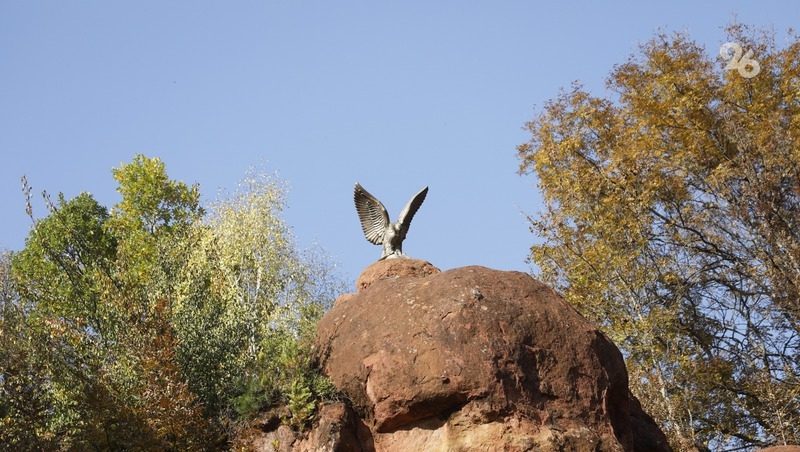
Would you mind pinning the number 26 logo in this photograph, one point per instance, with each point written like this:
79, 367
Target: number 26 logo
747, 67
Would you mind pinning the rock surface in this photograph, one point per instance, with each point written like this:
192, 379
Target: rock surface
336, 429
471, 359
393, 269
478, 359
781, 449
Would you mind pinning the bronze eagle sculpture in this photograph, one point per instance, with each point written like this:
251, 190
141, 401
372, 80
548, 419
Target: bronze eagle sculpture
376, 225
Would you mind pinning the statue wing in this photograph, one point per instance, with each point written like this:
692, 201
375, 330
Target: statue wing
373, 216
410, 209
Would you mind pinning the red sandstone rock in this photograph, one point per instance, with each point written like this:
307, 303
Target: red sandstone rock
475, 359
336, 428
393, 269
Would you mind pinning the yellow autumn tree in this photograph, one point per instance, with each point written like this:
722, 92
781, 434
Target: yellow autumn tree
672, 218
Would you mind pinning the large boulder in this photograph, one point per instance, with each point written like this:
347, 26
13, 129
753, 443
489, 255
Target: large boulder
474, 359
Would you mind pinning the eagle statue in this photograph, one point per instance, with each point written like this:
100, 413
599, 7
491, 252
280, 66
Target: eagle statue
376, 225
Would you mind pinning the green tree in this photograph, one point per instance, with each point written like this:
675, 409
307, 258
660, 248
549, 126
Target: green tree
143, 327
672, 218
68, 327
249, 301
23, 397
85, 279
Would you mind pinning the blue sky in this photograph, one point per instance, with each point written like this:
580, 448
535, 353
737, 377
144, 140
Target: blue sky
395, 95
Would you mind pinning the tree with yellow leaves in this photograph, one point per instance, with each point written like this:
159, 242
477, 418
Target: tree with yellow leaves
672, 218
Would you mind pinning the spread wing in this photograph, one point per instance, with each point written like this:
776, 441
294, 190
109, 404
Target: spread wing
372, 214
410, 209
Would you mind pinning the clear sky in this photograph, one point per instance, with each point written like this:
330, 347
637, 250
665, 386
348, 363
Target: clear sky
395, 95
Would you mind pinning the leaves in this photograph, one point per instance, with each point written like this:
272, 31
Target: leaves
672, 212
139, 327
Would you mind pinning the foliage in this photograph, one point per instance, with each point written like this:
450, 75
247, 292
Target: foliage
265, 301
300, 402
672, 219
23, 399
286, 372
138, 327
274, 300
